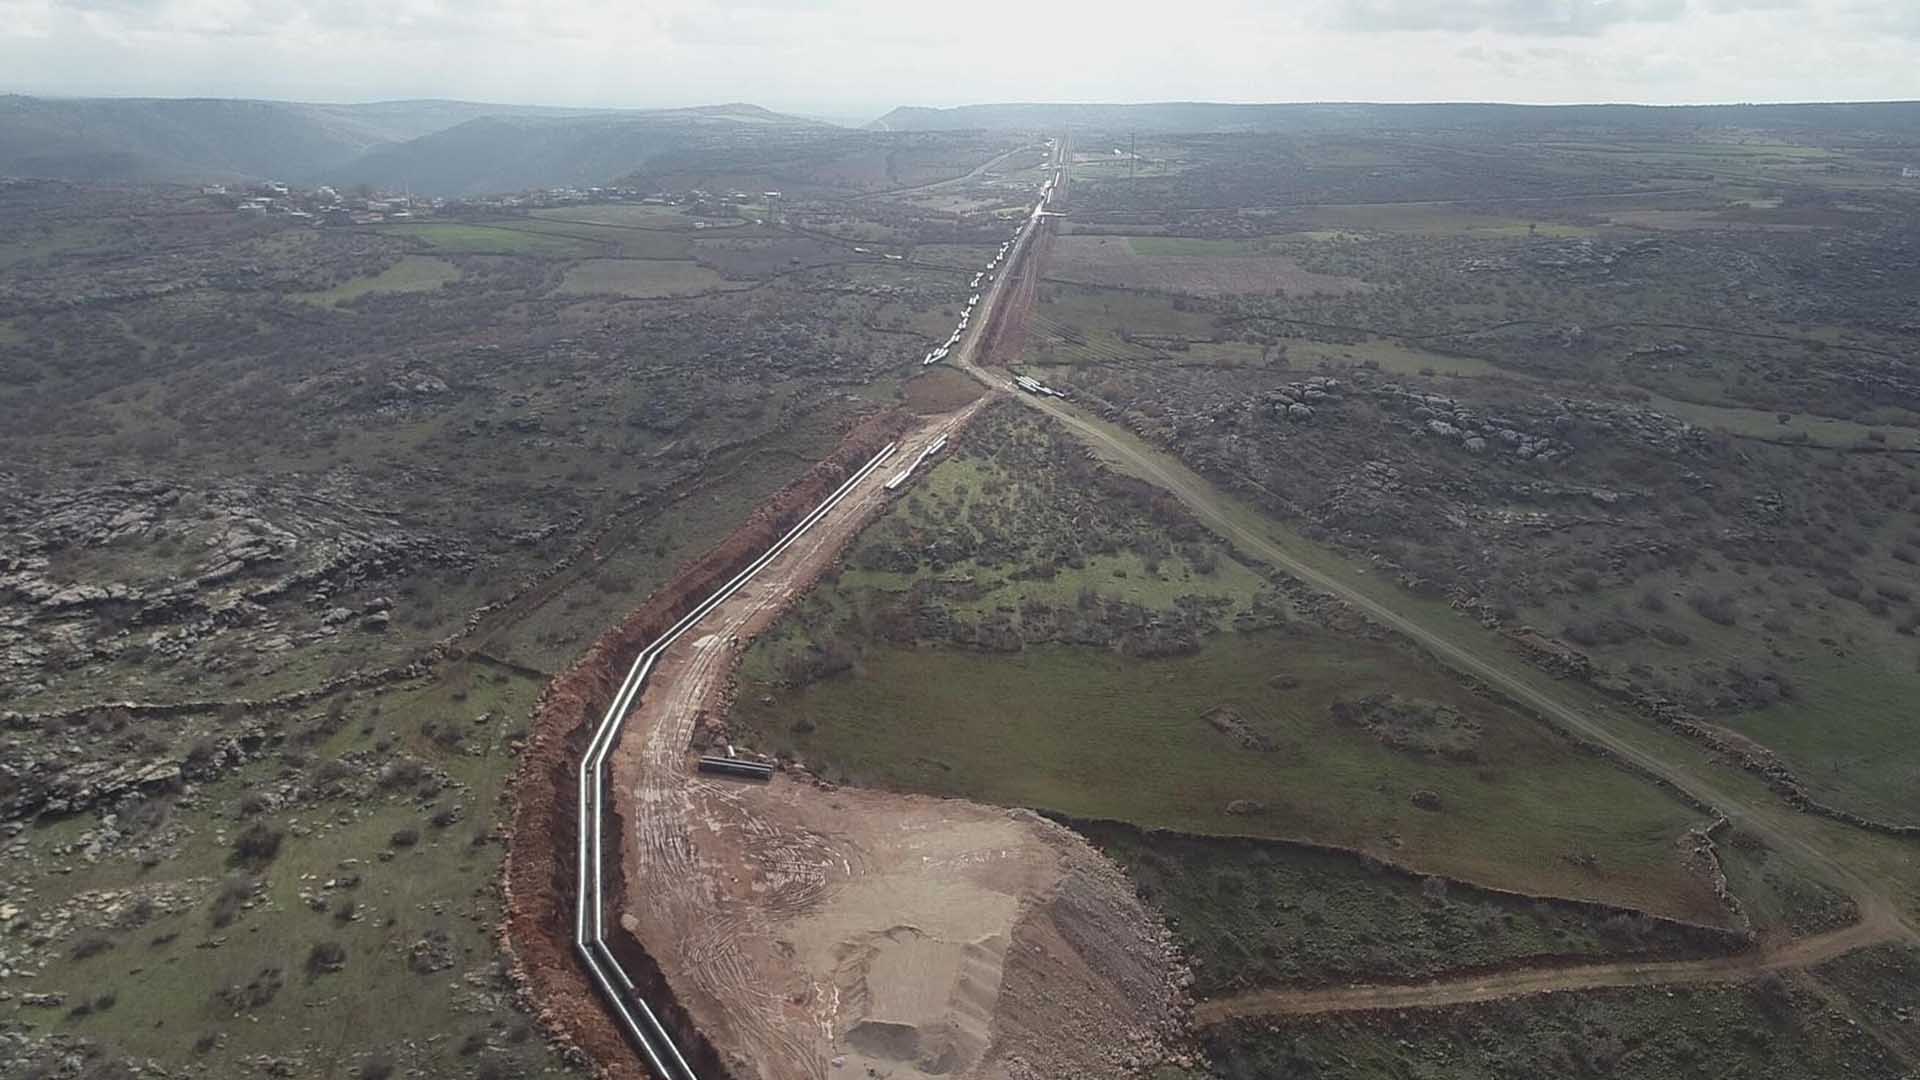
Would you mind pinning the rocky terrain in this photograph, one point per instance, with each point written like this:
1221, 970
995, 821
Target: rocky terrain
197, 582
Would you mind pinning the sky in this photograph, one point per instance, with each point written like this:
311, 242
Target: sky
854, 59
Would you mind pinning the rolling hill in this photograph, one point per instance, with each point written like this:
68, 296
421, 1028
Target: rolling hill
429, 146
141, 140
509, 153
1196, 116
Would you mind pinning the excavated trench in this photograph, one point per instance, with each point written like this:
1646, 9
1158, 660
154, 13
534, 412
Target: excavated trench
538, 875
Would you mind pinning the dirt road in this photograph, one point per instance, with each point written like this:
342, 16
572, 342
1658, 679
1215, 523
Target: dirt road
1482, 658
1803, 953
1880, 916
807, 930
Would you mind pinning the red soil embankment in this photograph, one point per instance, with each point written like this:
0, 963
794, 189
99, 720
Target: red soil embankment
537, 880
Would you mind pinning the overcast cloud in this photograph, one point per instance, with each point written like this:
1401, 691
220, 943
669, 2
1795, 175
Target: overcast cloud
860, 57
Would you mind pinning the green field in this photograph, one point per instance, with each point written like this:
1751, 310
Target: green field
413, 273
168, 970
1029, 628
1093, 734
614, 241
1390, 355
1181, 245
640, 278
1766, 424
1090, 326
630, 216
1849, 733
1439, 220
981, 490
1777, 894
489, 239
1259, 914
59, 238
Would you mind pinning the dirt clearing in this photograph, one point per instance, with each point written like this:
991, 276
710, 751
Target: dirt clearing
939, 389
815, 932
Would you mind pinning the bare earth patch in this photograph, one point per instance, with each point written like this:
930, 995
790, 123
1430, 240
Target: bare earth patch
1112, 261
815, 932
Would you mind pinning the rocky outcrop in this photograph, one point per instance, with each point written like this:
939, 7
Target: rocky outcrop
150, 569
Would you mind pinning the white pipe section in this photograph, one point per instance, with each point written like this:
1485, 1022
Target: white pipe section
646, 1029
589, 937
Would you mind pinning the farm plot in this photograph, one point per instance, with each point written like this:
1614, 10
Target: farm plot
491, 239
1242, 737
760, 257
640, 278
413, 273
1254, 913
1025, 629
1198, 267
629, 216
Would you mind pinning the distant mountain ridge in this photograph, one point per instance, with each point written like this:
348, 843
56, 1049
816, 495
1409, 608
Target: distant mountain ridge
442, 147
511, 153
1173, 117
187, 140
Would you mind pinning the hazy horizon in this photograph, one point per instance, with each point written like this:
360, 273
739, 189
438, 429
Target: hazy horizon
860, 117
850, 60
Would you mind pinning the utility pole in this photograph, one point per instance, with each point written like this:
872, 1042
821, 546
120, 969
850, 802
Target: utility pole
1131, 158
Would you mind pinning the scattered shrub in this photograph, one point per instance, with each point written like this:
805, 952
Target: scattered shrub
258, 993
1668, 635
256, 846
231, 899
326, 957
403, 773
1716, 607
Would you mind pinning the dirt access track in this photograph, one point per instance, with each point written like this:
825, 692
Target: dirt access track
1494, 986
1881, 918
813, 932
